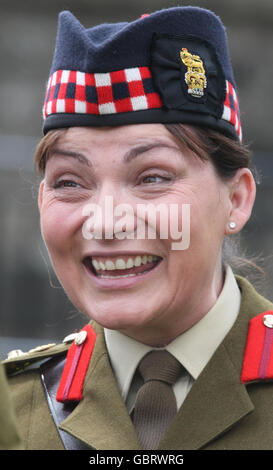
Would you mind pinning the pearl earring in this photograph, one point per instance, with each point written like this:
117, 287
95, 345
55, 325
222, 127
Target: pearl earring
232, 225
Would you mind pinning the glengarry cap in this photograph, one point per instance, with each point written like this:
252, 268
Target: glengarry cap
171, 66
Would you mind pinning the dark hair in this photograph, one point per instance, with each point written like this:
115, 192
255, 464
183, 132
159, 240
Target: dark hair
226, 154
44, 147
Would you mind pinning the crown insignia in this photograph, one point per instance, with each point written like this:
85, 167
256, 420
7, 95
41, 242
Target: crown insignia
195, 76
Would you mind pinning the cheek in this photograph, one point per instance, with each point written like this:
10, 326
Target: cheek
59, 224
203, 223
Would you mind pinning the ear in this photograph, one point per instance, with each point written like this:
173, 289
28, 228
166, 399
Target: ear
40, 194
242, 198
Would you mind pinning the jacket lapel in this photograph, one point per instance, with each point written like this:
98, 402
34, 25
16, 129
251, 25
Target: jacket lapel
101, 419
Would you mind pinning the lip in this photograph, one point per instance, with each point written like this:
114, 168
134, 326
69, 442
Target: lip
120, 283
112, 254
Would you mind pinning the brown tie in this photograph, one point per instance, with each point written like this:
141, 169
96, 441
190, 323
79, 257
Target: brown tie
155, 405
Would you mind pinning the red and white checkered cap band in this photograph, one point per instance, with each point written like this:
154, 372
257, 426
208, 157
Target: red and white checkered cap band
122, 91
231, 111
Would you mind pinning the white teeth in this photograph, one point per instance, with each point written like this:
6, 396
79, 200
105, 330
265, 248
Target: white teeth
137, 261
115, 277
120, 263
129, 263
95, 264
109, 265
102, 266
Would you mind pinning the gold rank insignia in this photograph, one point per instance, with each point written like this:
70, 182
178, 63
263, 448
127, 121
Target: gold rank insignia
195, 77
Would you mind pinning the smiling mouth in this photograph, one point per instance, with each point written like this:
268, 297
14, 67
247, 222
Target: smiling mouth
121, 266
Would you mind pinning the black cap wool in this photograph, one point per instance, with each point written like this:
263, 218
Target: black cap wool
171, 66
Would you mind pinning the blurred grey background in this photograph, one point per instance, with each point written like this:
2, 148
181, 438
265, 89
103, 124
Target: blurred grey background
34, 309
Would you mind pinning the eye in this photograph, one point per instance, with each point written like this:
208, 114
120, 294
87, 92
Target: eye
155, 179
66, 184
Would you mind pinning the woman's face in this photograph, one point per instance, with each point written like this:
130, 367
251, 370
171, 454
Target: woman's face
166, 291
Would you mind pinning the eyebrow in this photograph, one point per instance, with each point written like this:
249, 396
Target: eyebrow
140, 149
70, 153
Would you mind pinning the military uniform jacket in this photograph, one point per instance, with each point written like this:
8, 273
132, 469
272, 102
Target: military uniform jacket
9, 437
220, 412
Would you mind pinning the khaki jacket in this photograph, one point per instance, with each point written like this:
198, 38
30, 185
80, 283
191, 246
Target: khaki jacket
218, 413
9, 436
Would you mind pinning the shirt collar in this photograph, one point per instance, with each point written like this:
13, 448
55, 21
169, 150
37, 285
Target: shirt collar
191, 348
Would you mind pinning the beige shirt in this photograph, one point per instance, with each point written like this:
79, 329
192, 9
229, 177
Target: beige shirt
193, 349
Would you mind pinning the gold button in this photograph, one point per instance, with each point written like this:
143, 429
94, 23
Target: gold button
15, 353
81, 337
42, 348
268, 320
70, 337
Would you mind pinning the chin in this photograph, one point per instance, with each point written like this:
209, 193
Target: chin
119, 319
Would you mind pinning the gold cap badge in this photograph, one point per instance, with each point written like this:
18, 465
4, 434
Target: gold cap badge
195, 76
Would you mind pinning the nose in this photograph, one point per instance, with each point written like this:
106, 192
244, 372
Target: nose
110, 216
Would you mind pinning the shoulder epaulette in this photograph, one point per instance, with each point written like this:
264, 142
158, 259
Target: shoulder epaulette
18, 360
258, 356
77, 361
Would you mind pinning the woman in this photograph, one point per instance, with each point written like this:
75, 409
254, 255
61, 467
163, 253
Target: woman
145, 116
